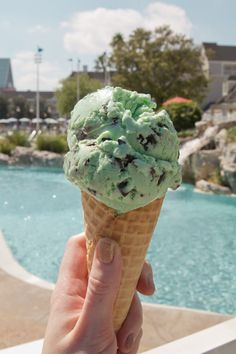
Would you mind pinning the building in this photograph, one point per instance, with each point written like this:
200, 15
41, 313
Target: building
220, 68
6, 77
47, 102
8, 91
226, 106
104, 77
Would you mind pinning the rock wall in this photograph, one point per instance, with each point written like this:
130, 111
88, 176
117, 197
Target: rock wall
23, 156
215, 161
201, 165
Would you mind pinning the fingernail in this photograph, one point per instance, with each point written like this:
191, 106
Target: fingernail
129, 341
150, 282
105, 249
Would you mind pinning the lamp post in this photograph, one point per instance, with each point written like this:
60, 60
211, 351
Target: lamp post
107, 79
38, 60
78, 80
71, 61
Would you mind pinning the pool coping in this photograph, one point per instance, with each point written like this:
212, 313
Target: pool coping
219, 339
10, 265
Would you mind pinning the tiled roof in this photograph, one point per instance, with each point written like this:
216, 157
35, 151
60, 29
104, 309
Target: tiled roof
4, 71
220, 52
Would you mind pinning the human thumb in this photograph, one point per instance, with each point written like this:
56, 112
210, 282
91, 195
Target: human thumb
103, 285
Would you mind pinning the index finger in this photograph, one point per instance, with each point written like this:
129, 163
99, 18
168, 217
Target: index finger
74, 264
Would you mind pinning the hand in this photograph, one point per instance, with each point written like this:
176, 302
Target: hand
80, 319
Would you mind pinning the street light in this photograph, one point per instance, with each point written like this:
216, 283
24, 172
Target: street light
37, 60
78, 79
71, 61
107, 79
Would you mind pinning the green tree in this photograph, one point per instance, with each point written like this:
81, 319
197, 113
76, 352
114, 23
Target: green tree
102, 62
67, 93
161, 63
184, 115
3, 107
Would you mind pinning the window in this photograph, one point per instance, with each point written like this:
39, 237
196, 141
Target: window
230, 69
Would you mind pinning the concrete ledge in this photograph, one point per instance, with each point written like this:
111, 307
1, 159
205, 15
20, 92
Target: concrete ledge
164, 324
12, 267
219, 339
29, 348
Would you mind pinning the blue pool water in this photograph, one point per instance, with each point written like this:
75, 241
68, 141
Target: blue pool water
193, 251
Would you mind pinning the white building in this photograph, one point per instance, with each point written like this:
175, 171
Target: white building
220, 68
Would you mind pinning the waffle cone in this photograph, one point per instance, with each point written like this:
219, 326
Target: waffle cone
132, 231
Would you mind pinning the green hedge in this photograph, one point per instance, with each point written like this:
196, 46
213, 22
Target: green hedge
184, 115
5, 146
189, 133
13, 139
54, 143
18, 138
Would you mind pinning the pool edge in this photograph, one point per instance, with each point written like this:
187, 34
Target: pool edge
10, 265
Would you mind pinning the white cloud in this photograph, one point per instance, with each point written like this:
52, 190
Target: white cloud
38, 29
158, 14
5, 24
90, 32
24, 71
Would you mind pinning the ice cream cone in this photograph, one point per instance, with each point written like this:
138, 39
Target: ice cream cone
132, 231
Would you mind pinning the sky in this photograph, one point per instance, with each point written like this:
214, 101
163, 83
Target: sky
82, 30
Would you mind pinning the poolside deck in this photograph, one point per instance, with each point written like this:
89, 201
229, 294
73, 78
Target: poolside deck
24, 309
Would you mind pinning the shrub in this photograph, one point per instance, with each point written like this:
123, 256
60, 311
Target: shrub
54, 143
231, 135
6, 147
18, 138
184, 115
189, 133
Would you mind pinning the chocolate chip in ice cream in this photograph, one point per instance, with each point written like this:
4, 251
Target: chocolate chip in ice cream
82, 134
105, 108
121, 142
150, 139
115, 120
106, 139
128, 159
123, 163
153, 173
161, 178
122, 188
162, 125
156, 131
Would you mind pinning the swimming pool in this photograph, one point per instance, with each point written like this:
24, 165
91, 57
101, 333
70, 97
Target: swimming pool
193, 250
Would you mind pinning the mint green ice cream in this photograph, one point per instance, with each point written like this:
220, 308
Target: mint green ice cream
121, 151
